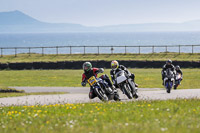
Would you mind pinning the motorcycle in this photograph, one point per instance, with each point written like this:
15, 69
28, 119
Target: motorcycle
168, 80
126, 84
102, 90
178, 79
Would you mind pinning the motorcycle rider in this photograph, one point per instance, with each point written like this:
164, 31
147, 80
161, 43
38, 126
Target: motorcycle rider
178, 70
115, 67
89, 72
168, 65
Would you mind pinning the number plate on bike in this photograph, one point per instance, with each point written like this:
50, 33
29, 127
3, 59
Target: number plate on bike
92, 80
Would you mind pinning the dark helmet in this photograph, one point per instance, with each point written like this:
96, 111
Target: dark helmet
87, 66
169, 62
177, 67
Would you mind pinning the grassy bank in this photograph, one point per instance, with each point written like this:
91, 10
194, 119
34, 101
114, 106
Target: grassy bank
26, 94
146, 78
180, 116
108, 57
11, 92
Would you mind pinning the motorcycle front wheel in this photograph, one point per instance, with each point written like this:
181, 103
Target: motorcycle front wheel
126, 91
168, 87
100, 94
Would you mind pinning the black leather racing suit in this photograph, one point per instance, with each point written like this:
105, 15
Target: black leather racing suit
165, 67
121, 67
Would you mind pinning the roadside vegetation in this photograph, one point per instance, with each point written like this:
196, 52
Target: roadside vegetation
10, 92
108, 57
26, 94
180, 116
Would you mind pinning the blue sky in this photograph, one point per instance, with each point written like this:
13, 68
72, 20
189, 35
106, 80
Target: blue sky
106, 12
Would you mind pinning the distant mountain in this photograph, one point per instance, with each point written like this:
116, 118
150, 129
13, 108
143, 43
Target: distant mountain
16, 18
18, 22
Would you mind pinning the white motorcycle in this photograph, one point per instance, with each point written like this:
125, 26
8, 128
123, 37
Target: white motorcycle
126, 84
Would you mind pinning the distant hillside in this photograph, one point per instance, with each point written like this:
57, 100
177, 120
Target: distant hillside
18, 22
16, 18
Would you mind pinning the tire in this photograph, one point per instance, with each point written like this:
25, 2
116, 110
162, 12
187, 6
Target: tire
175, 86
136, 95
127, 92
168, 88
116, 97
134, 91
100, 94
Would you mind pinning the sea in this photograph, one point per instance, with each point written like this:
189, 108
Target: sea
96, 42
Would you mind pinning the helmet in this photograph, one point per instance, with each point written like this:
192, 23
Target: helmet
87, 66
169, 62
177, 67
114, 65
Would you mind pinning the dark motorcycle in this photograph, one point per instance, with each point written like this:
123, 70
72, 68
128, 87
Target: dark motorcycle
102, 89
126, 84
168, 80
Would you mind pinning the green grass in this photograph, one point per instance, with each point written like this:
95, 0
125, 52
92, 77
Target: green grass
108, 57
171, 116
10, 92
146, 78
26, 94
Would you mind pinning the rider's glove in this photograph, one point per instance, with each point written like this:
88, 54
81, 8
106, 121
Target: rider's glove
101, 70
83, 83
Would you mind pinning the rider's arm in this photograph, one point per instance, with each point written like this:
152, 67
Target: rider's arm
173, 68
83, 83
125, 69
112, 75
163, 69
181, 73
98, 70
122, 67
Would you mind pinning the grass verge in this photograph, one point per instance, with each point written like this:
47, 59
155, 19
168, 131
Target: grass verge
26, 94
10, 92
180, 116
108, 57
146, 78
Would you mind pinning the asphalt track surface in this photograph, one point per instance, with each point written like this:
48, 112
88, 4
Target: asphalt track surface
80, 95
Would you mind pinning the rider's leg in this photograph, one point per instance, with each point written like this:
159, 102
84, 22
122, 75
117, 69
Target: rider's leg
163, 79
132, 76
92, 94
106, 78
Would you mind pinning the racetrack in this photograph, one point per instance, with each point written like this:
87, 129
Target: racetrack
80, 95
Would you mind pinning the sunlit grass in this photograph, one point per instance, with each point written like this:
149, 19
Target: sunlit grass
140, 116
146, 78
